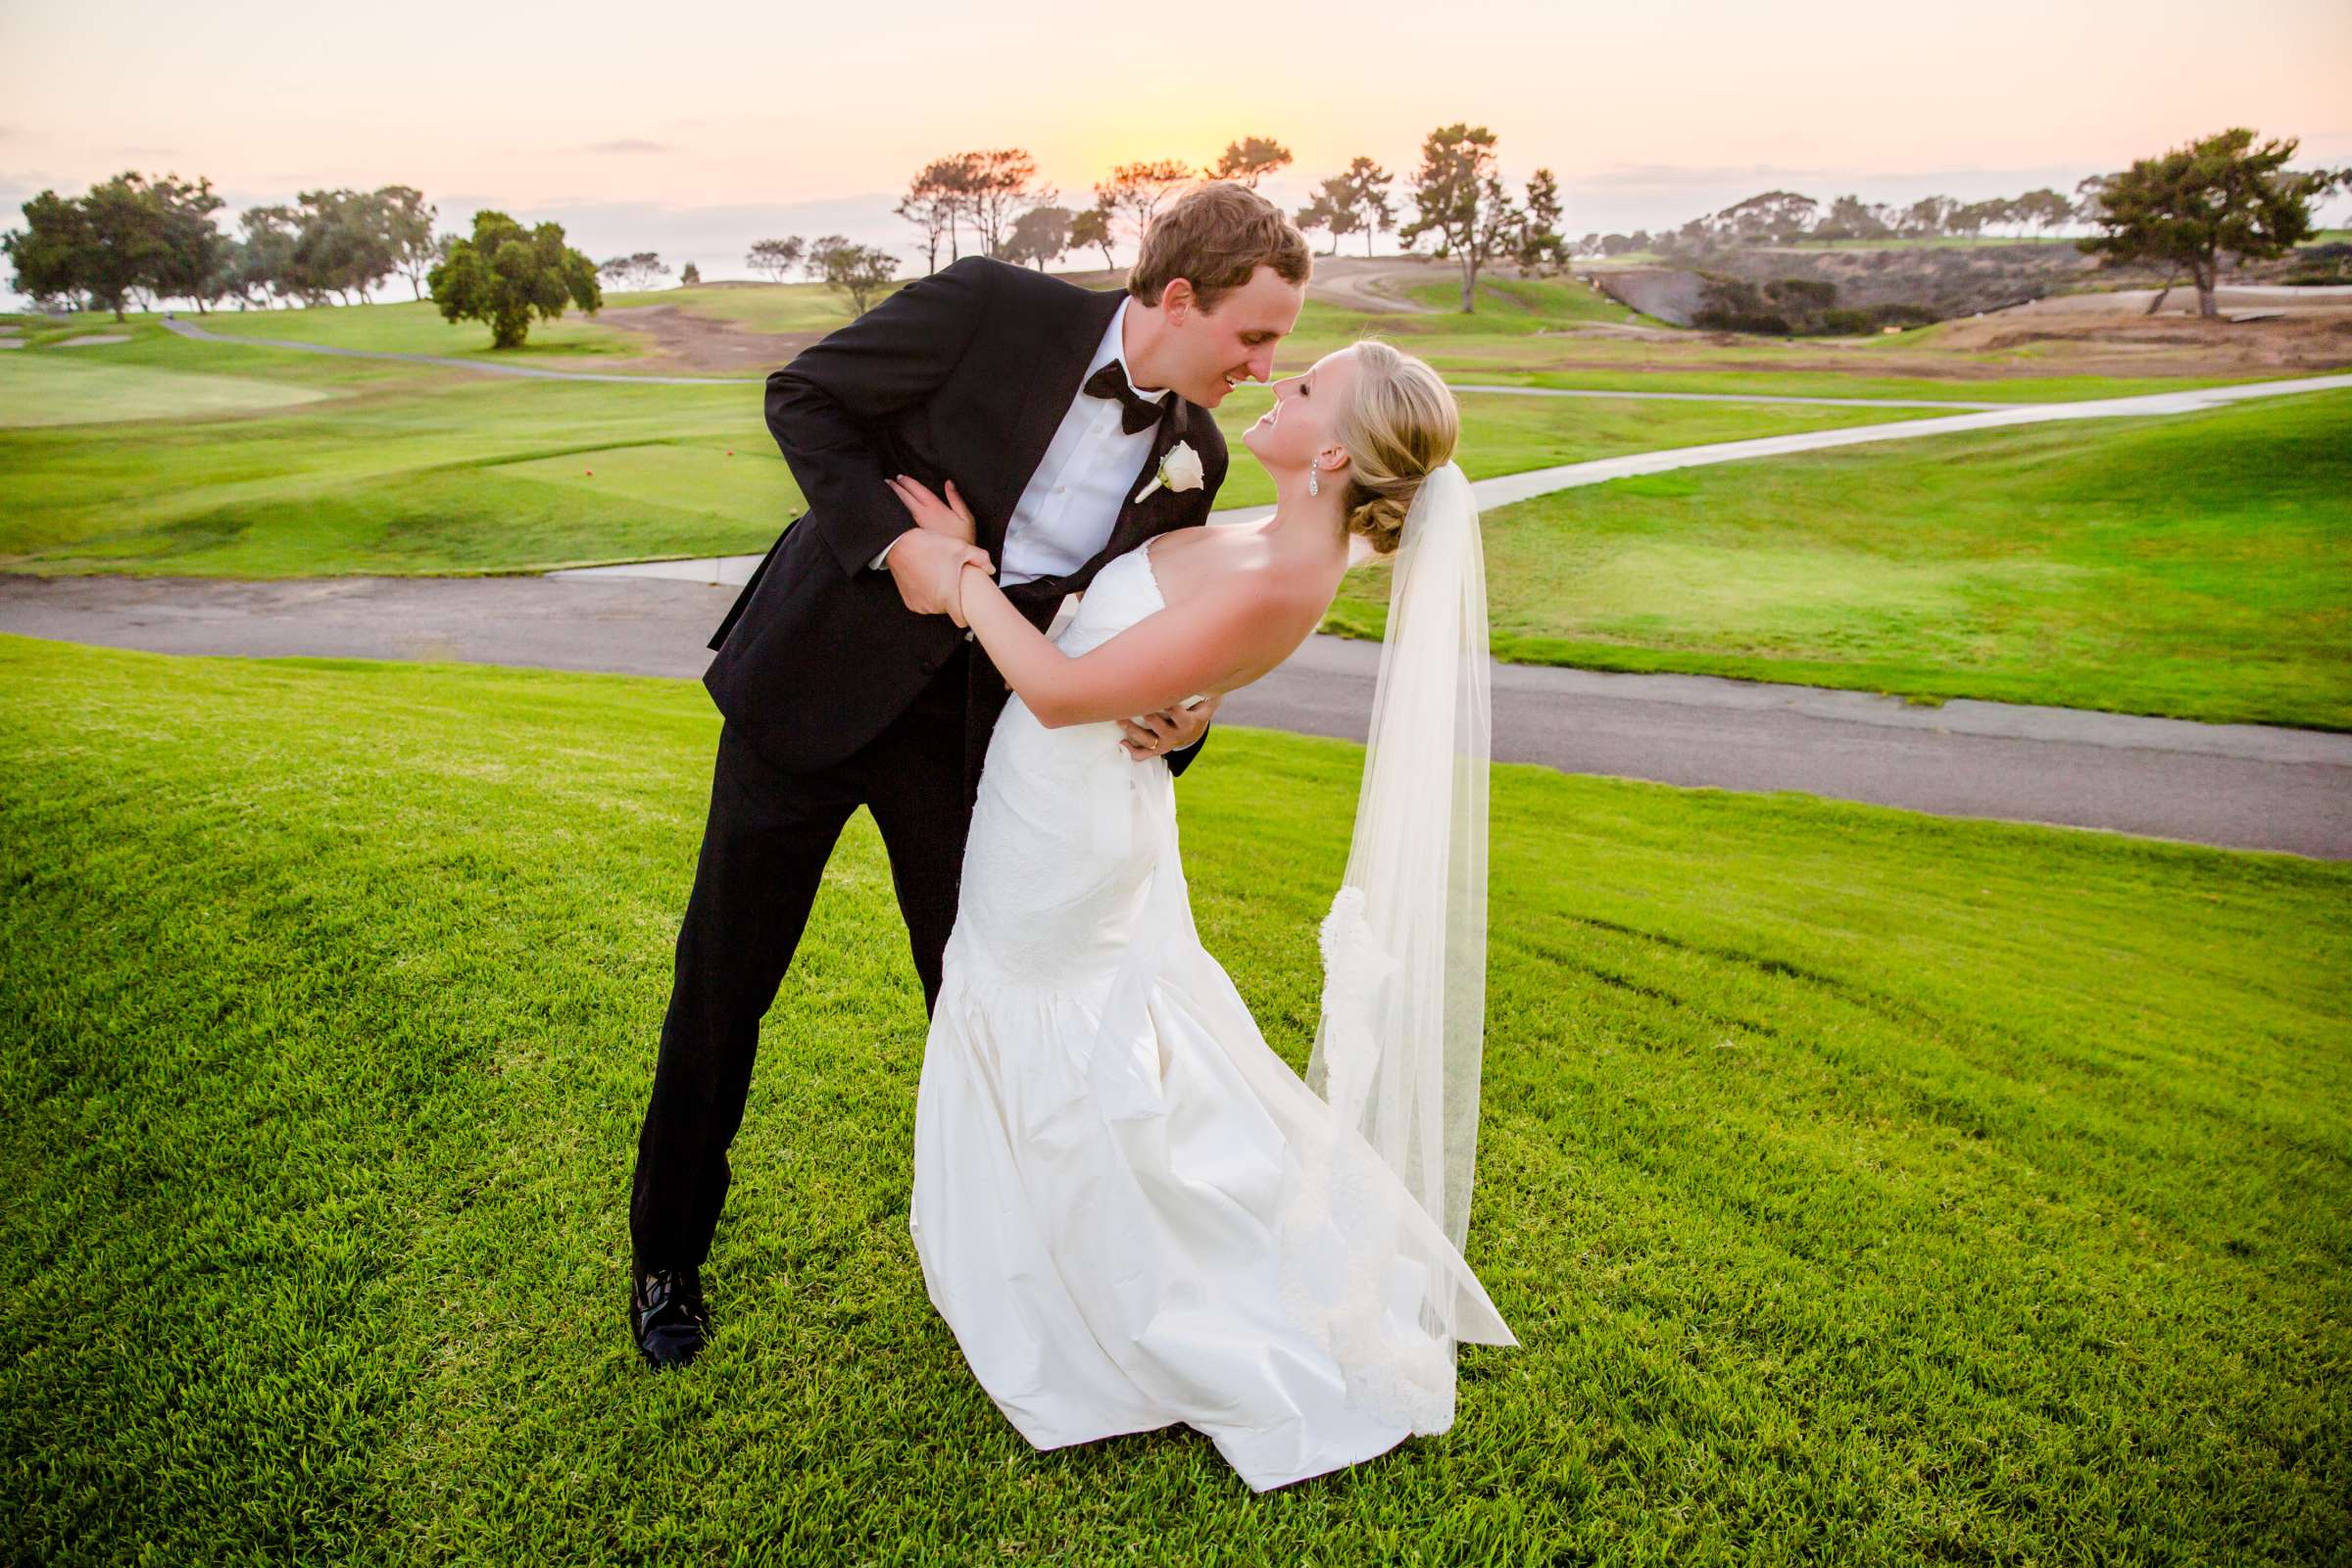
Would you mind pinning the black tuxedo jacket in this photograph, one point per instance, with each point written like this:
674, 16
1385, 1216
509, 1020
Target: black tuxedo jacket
963, 375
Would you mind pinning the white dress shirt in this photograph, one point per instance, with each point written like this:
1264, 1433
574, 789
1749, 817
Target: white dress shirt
1065, 515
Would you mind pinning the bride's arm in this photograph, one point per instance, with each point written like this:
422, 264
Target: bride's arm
1153, 665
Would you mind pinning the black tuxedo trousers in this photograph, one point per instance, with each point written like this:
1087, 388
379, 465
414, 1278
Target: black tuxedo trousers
765, 847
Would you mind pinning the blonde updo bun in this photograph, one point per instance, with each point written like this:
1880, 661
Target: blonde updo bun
1399, 428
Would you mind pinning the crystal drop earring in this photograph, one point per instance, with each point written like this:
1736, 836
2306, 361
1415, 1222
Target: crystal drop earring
1314, 487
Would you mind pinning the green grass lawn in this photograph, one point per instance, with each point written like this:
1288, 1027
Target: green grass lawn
1529, 334
150, 344
1519, 305
418, 469
2197, 566
407, 326
758, 307
65, 388
1863, 1186
1637, 367
417, 327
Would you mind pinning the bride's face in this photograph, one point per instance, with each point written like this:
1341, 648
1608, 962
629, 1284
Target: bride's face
1302, 424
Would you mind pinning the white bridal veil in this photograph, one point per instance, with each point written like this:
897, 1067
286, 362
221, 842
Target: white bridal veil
1404, 947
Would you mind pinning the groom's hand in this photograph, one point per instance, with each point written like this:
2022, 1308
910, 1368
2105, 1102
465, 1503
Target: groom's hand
928, 568
1170, 730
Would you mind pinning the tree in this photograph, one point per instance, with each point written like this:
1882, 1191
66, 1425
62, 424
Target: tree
343, 244
1138, 189
1458, 198
774, 258
858, 271
1092, 228
123, 241
265, 257
2221, 195
1332, 208
1247, 161
1368, 187
640, 270
934, 201
191, 257
50, 252
1928, 217
2039, 209
1851, 217
1776, 217
689, 275
1002, 180
1970, 218
408, 221
1539, 243
1041, 234
504, 274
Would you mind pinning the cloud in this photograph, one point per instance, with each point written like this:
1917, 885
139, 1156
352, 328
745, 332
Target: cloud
627, 144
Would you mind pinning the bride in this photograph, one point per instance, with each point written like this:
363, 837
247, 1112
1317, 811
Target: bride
1128, 1210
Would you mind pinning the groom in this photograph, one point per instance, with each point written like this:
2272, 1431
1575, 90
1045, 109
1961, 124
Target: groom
843, 679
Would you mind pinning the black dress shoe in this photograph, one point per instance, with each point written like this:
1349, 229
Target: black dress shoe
667, 1316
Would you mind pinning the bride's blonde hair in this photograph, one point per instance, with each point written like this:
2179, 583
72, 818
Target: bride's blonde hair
1399, 427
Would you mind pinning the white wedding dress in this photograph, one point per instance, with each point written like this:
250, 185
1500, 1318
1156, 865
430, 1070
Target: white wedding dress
1130, 1212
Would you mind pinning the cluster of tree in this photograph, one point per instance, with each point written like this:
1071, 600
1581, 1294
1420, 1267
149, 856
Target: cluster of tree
138, 239
997, 198
1787, 218
1354, 203
983, 192
859, 271
639, 271
1460, 200
503, 274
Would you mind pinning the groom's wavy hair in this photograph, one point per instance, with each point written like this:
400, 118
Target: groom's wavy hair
1217, 237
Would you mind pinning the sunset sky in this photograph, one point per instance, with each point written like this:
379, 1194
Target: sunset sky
694, 130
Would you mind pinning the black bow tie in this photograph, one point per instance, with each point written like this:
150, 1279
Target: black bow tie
1110, 382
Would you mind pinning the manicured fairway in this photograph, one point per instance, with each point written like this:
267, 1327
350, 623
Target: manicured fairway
413, 326
417, 327
1865, 1188
433, 471
42, 389
2197, 566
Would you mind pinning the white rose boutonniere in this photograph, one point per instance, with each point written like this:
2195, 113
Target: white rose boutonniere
1180, 470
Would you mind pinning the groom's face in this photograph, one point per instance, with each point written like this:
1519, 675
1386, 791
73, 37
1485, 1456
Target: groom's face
1215, 351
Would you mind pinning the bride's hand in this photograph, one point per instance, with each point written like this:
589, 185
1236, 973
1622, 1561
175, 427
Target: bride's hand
932, 515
